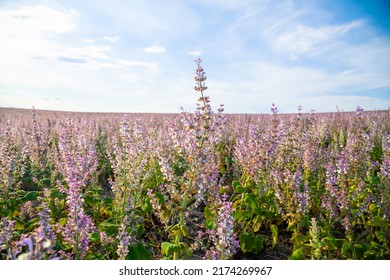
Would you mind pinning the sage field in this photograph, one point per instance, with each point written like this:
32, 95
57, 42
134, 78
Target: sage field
194, 185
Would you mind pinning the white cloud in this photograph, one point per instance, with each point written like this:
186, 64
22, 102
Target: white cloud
88, 52
133, 63
155, 49
195, 53
27, 31
304, 38
29, 20
112, 39
147, 19
139, 70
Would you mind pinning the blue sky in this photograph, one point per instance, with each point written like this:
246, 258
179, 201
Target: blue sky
138, 56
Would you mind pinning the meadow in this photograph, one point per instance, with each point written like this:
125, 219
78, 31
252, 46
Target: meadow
194, 185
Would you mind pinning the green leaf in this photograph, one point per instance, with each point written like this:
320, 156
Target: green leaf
359, 250
54, 193
109, 227
237, 187
108, 201
94, 257
168, 248
184, 230
346, 249
291, 225
256, 224
208, 214
62, 221
89, 200
30, 196
210, 224
146, 206
140, 229
381, 236
259, 243
251, 200
175, 229
275, 232
237, 214
251, 243
160, 197
297, 255
31, 225
246, 243
45, 181
138, 252
94, 238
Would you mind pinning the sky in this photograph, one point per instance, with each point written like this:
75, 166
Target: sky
138, 56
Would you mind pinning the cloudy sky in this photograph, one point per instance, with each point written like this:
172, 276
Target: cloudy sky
138, 56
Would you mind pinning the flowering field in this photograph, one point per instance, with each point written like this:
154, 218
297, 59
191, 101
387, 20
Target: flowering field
200, 185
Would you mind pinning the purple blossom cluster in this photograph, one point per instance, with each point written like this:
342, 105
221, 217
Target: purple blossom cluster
38, 246
194, 140
293, 195
256, 153
131, 152
223, 237
124, 239
6, 234
77, 161
45, 222
38, 144
200, 76
12, 160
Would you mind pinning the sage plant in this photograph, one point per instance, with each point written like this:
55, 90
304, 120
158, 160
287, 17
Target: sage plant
6, 235
77, 161
223, 237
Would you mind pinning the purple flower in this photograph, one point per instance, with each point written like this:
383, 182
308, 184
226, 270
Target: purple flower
6, 230
224, 238
44, 222
77, 162
200, 76
385, 168
124, 239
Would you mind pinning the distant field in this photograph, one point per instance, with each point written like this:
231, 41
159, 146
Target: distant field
200, 185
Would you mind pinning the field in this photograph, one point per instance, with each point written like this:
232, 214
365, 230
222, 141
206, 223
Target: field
194, 185
197, 185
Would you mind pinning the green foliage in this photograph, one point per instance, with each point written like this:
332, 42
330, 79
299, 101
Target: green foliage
109, 227
138, 252
251, 243
297, 255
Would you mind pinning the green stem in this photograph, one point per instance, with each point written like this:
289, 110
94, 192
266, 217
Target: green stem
123, 205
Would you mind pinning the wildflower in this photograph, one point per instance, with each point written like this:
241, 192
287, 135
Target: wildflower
315, 242
224, 238
124, 240
27, 211
6, 232
77, 162
44, 222
200, 76
38, 246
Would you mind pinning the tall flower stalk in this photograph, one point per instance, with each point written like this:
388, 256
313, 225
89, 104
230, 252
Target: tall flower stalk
77, 162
